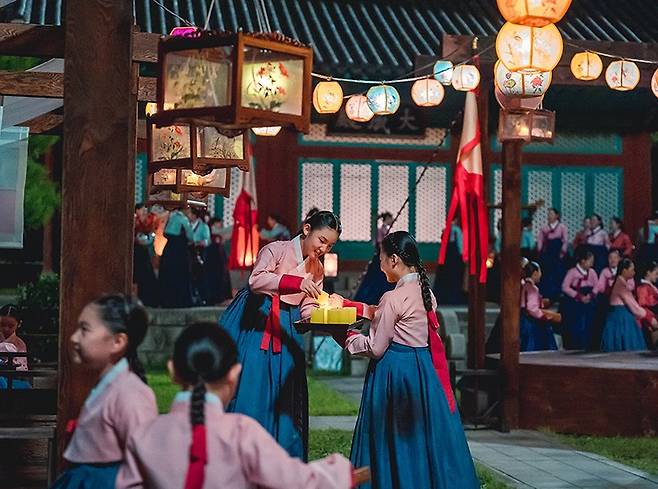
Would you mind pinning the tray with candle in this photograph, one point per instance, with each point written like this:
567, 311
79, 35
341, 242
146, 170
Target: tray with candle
329, 319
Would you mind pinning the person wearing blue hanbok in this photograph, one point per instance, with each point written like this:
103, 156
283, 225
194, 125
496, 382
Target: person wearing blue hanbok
598, 242
175, 274
536, 333
285, 281
200, 242
578, 304
552, 244
408, 429
623, 325
373, 282
449, 279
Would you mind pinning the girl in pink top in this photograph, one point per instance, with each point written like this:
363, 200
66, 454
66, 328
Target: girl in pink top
578, 304
408, 430
286, 279
618, 238
598, 243
199, 446
535, 329
622, 329
9, 324
109, 331
647, 297
552, 245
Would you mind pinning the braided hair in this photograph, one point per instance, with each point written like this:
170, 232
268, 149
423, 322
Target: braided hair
125, 314
203, 353
403, 244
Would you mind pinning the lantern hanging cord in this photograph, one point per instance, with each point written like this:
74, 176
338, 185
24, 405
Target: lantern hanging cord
612, 56
207, 23
402, 80
183, 20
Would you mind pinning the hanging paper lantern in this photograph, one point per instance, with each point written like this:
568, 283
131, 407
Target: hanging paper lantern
357, 109
465, 78
443, 70
622, 75
507, 102
654, 83
266, 131
327, 97
151, 108
520, 84
529, 49
427, 92
535, 13
383, 99
586, 66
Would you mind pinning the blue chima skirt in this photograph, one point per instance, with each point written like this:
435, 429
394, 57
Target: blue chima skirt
405, 431
552, 267
621, 332
577, 323
88, 476
272, 387
536, 335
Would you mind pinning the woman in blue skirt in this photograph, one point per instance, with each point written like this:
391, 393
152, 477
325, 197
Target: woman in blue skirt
623, 324
552, 247
535, 328
578, 305
408, 430
373, 283
598, 242
286, 280
175, 274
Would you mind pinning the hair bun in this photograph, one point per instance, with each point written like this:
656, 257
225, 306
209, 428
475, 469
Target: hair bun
203, 358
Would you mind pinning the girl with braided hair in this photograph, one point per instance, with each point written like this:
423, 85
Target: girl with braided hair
109, 331
198, 445
408, 430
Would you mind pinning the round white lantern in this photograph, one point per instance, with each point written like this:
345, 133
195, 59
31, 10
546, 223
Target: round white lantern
357, 109
427, 92
443, 70
586, 66
654, 83
529, 49
383, 99
465, 78
521, 84
536, 13
327, 97
622, 75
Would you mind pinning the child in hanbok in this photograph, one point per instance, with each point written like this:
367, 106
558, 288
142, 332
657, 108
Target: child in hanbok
285, 281
198, 445
408, 429
535, 328
578, 303
552, 244
647, 297
109, 331
623, 325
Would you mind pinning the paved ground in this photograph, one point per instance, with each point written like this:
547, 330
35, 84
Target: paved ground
524, 459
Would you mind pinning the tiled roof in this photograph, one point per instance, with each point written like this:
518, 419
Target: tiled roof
372, 38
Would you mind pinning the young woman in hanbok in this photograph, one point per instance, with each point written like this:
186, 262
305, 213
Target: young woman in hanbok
535, 328
285, 281
623, 324
619, 239
647, 297
373, 284
449, 279
175, 274
109, 331
200, 445
579, 303
552, 245
408, 429
598, 242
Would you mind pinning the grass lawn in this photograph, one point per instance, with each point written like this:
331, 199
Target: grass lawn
164, 389
641, 453
324, 401
324, 442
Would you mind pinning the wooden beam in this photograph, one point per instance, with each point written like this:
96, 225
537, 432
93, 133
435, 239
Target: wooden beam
510, 287
98, 176
47, 41
51, 85
45, 124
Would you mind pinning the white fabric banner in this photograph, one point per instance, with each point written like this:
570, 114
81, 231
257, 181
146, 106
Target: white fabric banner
13, 167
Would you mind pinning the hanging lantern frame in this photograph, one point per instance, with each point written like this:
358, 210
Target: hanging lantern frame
180, 187
538, 125
232, 113
197, 140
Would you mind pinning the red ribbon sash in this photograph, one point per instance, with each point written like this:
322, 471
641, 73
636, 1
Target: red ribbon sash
439, 358
273, 327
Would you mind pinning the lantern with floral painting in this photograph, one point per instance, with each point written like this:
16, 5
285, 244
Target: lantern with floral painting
622, 75
586, 66
194, 145
357, 109
443, 70
521, 84
529, 49
465, 78
236, 79
427, 92
327, 97
383, 99
535, 13
182, 180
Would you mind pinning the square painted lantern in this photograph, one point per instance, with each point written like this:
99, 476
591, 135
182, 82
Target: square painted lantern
182, 180
526, 125
239, 80
194, 145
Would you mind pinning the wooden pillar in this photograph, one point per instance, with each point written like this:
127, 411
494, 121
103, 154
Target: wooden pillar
98, 176
510, 283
